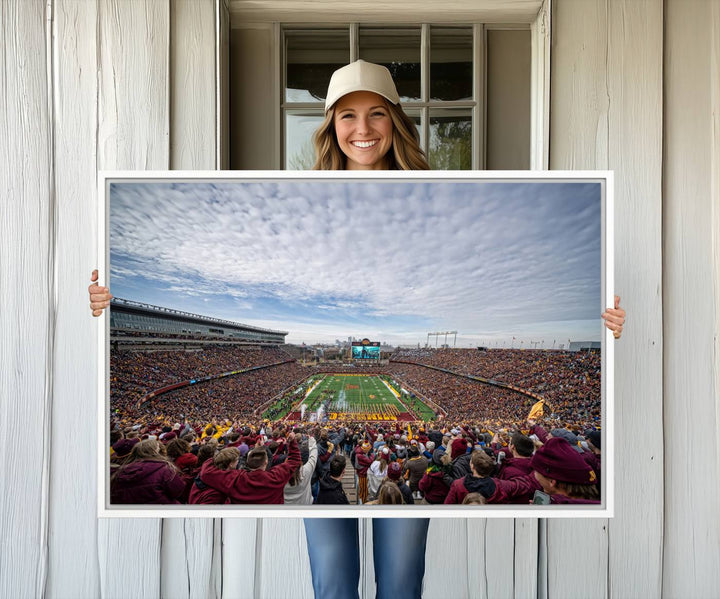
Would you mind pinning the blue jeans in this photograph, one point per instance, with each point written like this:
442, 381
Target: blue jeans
398, 554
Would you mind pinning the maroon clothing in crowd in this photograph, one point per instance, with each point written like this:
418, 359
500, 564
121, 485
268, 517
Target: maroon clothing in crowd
470, 484
147, 482
514, 467
540, 432
434, 487
362, 462
253, 486
509, 491
206, 496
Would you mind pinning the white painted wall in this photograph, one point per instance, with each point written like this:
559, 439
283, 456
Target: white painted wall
508, 99
106, 84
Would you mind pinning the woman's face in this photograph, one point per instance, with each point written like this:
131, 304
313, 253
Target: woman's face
364, 130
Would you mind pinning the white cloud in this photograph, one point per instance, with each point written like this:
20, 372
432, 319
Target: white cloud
463, 255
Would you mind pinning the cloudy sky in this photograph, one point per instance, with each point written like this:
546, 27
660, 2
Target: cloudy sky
387, 260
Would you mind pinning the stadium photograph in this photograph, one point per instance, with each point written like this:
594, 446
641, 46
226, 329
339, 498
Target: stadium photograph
398, 342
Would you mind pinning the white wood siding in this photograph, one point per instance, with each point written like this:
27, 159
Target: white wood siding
116, 84
691, 303
606, 112
133, 133
27, 278
73, 545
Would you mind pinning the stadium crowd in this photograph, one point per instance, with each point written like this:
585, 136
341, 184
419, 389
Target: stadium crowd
135, 374
304, 464
207, 443
569, 381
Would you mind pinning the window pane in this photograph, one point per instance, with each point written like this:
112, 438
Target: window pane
311, 58
451, 55
414, 115
399, 51
450, 139
299, 150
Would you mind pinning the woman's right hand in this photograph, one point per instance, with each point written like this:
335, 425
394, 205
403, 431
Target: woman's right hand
99, 296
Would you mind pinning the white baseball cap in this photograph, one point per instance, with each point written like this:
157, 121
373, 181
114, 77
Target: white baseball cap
361, 76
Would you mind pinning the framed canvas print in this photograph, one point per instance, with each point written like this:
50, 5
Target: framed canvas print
334, 344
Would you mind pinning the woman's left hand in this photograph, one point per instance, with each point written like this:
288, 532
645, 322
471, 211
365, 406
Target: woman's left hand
615, 318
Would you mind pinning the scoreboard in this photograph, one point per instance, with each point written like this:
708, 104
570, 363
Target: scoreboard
365, 350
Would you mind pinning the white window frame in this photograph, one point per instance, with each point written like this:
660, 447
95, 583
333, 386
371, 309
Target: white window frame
534, 15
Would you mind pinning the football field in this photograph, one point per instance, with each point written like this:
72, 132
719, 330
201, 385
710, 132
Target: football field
352, 397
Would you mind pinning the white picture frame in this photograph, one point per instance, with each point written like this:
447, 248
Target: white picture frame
603, 178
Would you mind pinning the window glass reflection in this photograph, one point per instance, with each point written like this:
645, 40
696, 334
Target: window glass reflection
398, 50
451, 66
311, 58
450, 146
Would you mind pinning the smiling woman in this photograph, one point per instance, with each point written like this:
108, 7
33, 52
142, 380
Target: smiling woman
365, 128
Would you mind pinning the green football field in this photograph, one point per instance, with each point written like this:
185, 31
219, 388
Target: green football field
361, 397
357, 397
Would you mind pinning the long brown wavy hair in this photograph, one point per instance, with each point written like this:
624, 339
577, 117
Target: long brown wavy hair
405, 153
148, 450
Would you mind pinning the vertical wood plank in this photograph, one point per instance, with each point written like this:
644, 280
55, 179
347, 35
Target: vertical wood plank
189, 565
490, 561
578, 91
691, 200
578, 140
525, 557
73, 569
187, 559
133, 125
193, 85
571, 572
240, 558
283, 566
133, 129
635, 48
447, 561
26, 302
607, 79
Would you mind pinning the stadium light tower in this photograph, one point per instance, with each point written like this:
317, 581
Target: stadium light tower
446, 333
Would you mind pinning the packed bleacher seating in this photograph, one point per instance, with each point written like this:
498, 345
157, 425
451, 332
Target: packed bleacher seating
229, 462
569, 381
435, 462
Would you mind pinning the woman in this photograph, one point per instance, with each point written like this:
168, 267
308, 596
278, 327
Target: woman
378, 471
202, 494
297, 491
365, 129
147, 477
388, 494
